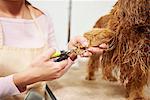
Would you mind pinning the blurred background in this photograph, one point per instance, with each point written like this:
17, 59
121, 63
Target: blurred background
82, 15
79, 16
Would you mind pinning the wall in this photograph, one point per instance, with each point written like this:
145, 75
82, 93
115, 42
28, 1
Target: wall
84, 15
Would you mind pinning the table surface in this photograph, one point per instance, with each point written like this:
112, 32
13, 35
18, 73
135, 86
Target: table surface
73, 86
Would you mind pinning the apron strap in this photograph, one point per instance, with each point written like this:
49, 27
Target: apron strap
41, 33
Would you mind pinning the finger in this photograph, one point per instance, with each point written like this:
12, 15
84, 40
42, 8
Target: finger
82, 40
87, 54
95, 50
61, 65
72, 45
103, 46
65, 69
46, 55
56, 66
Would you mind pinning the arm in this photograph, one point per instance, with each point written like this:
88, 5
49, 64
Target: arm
42, 69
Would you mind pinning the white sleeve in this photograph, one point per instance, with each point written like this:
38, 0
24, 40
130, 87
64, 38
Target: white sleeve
7, 86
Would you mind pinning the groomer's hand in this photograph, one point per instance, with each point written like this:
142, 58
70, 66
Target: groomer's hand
95, 50
42, 69
48, 69
83, 41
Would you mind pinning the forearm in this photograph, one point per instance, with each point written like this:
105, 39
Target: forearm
43, 71
23, 79
7, 86
16, 83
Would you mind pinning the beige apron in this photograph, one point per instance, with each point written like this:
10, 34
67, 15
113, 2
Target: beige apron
13, 60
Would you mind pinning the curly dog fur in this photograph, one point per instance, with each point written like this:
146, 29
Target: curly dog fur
129, 46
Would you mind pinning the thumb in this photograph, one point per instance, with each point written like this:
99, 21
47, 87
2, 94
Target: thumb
82, 40
67, 66
46, 55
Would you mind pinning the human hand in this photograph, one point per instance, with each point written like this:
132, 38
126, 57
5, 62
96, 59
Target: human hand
42, 69
78, 39
95, 50
84, 42
50, 69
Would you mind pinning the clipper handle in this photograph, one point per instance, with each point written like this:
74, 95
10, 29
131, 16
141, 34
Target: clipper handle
72, 56
64, 55
61, 58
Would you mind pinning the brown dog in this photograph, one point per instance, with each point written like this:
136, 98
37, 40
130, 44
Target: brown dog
126, 30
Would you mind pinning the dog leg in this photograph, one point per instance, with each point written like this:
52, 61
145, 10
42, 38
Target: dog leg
136, 94
93, 65
134, 79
